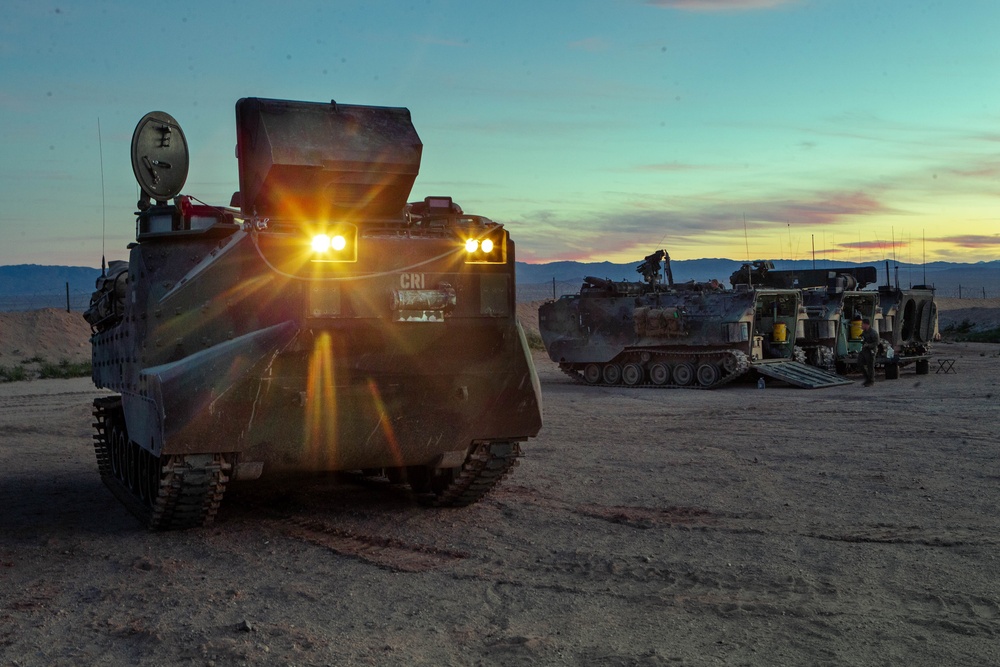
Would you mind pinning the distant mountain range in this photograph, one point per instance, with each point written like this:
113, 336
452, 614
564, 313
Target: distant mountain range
973, 280
33, 286
27, 286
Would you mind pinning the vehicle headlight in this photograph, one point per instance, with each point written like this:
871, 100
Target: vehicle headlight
321, 243
337, 243
489, 248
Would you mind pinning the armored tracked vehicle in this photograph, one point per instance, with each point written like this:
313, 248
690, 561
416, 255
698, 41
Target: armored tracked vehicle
318, 323
836, 301
691, 335
835, 304
910, 322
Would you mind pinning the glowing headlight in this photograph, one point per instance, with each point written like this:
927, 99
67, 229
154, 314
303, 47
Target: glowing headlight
338, 243
489, 248
321, 242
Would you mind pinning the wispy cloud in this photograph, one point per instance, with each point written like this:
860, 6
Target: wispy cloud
708, 224
970, 240
592, 44
439, 41
719, 5
674, 166
988, 169
870, 245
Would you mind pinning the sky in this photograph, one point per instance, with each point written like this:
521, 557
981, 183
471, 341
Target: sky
595, 130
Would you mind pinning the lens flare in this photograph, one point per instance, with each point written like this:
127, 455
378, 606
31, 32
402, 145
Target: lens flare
471, 245
321, 404
321, 242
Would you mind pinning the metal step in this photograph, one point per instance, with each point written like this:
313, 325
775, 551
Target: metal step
799, 374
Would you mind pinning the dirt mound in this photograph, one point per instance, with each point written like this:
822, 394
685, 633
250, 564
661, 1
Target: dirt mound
50, 334
527, 314
982, 314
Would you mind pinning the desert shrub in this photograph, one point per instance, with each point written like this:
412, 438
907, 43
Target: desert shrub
13, 374
64, 369
534, 340
33, 360
987, 336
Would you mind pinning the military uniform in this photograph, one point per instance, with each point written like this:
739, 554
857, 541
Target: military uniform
866, 358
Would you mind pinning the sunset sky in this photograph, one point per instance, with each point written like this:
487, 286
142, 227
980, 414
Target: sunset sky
595, 130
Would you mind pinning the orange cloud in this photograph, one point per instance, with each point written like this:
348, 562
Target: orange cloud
873, 245
970, 240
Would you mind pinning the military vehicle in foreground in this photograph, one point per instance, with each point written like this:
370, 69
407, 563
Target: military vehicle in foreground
836, 301
656, 333
318, 323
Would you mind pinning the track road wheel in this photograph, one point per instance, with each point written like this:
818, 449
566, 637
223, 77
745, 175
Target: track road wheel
592, 373
632, 374
612, 373
729, 364
153, 477
132, 455
684, 373
708, 374
659, 374
116, 443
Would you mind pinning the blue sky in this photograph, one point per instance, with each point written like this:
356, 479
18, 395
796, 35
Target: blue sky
595, 130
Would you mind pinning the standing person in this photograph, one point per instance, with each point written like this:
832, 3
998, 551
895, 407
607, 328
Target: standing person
869, 346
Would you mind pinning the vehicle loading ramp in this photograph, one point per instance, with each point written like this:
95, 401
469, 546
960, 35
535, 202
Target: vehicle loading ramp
800, 374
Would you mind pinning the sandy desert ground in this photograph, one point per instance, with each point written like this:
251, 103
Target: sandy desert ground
843, 526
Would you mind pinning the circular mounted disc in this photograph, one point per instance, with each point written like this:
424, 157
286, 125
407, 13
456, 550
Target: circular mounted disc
159, 156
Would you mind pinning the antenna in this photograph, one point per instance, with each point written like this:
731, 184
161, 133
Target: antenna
746, 239
923, 234
104, 209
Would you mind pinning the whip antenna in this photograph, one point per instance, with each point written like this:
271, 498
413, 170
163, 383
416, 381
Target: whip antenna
100, 148
746, 240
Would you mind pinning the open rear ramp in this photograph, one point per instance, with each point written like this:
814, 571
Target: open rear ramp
800, 374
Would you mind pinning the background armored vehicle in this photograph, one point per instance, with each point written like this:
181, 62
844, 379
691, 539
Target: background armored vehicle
836, 301
835, 304
909, 321
323, 324
676, 335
